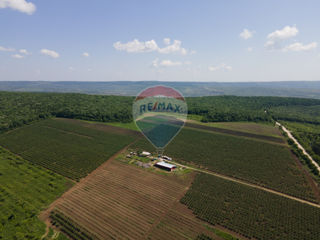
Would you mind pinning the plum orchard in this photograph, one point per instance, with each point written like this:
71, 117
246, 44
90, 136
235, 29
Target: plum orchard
251, 212
258, 162
64, 147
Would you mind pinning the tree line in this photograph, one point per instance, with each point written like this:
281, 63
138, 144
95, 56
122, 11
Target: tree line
19, 108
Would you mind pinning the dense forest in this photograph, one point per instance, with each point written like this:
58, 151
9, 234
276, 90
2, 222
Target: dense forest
17, 109
232, 108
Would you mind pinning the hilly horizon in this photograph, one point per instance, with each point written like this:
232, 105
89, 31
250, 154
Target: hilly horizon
301, 89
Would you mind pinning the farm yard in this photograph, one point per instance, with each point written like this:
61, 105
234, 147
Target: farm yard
251, 212
25, 190
259, 162
122, 201
68, 147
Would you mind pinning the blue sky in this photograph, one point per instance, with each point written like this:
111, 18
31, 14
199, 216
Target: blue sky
101, 40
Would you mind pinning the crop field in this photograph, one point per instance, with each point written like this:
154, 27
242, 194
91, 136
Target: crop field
25, 190
275, 139
270, 165
147, 206
69, 227
65, 146
251, 212
248, 127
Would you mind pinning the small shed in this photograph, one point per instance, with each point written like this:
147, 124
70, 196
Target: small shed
144, 154
165, 166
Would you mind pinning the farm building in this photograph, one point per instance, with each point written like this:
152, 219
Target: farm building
144, 154
165, 166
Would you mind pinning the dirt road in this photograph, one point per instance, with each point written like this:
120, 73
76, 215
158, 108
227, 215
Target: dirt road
299, 145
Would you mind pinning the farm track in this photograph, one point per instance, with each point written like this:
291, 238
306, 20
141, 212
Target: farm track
234, 133
249, 184
299, 145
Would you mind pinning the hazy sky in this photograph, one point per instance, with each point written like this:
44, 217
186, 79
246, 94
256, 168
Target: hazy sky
176, 40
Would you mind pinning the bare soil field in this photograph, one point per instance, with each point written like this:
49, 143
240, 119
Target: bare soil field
121, 201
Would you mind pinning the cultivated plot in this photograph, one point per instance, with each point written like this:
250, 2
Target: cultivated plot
262, 163
65, 146
252, 212
25, 190
121, 201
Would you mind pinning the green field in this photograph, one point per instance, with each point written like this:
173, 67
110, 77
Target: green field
266, 129
69, 227
63, 146
129, 125
270, 165
251, 212
25, 190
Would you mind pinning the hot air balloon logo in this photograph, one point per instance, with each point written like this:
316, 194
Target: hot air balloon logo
160, 112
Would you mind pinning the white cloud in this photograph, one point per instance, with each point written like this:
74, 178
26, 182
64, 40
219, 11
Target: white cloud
275, 38
249, 49
136, 46
297, 47
246, 34
167, 63
50, 53
166, 41
71, 69
17, 56
85, 54
19, 5
4, 49
174, 47
24, 51
222, 66
284, 33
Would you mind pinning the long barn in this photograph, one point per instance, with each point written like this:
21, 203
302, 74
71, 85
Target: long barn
165, 166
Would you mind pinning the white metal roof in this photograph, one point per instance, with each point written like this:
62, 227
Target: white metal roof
145, 153
167, 165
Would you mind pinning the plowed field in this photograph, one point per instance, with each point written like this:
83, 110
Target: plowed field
121, 201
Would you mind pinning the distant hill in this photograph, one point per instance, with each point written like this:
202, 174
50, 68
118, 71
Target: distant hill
303, 89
